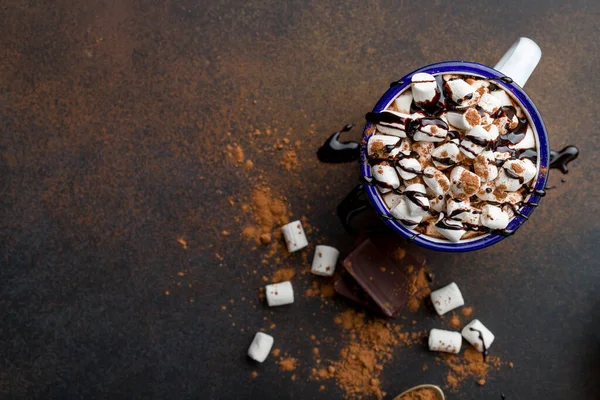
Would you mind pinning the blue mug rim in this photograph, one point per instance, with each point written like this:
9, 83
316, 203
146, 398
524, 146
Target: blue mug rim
470, 68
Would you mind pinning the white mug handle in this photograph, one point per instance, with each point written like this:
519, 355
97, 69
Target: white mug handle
520, 60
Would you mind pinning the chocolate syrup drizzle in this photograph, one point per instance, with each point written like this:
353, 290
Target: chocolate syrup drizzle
485, 350
561, 159
334, 151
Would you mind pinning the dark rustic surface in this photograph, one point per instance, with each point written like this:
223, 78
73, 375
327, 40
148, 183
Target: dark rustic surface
114, 122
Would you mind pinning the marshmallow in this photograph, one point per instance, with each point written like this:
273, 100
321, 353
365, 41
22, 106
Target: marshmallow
528, 142
477, 139
436, 203
416, 200
471, 334
325, 260
279, 294
446, 341
424, 88
392, 199
435, 131
460, 91
385, 176
457, 208
378, 145
260, 347
402, 214
423, 149
464, 120
488, 192
406, 166
503, 98
404, 101
447, 299
489, 103
446, 155
464, 182
485, 166
393, 123
294, 236
436, 180
514, 174
451, 229
493, 217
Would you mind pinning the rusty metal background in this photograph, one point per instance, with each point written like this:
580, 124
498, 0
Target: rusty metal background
115, 117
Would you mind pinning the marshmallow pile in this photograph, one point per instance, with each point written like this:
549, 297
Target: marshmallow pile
445, 156
282, 293
447, 299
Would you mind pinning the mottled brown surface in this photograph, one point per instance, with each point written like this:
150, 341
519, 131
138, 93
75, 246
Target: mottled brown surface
118, 244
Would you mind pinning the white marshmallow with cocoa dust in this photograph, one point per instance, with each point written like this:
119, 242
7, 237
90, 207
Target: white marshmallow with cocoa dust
502, 97
385, 176
260, 347
433, 132
423, 149
403, 215
446, 155
493, 217
445, 341
379, 146
416, 200
472, 331
447, 299
436, 202
464, 120
324, 260
457, 207
476, 140
528, 142
294, 236
451, 229
279, 294
436, 180
404, 101
394, 128
514, 174
489, 103
460, 92
406, 166
464, 182
485, 166
488, 192
392, 199
424, 88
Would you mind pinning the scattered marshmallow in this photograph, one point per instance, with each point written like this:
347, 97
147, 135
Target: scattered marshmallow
446, 341
489, 103
405, 167
325, 260
377, 146
464, 120
451, 229
447, 298
493, 217
472, 144
403, 215
417, 203
436, 180
424, 88
464, 182
404, 101
294, 236
260, 347
279, 294
385, 175
446, 155
471, 334
460, 91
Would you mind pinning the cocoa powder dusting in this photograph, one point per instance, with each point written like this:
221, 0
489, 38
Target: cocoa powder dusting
420, 394
287, 364
283, 274
268, 212
418, 287
468, 366
370, 345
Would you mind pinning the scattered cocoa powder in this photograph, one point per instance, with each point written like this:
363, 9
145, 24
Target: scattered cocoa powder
370, 345
420, 394
418, 287
254, 374
276, 352
287, 364
455, 321
468, 366
323, 290
467, 311
283, 274
268, 212
289, 161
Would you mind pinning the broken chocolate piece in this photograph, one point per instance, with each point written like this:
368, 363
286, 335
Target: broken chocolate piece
345, 285
382, 280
